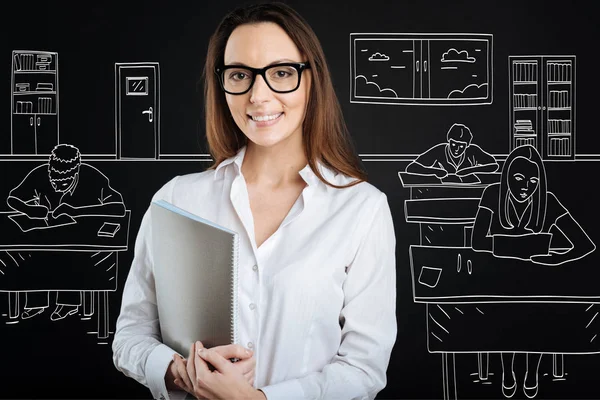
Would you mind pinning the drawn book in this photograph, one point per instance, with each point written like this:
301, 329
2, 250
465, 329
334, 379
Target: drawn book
196, 278
109, 229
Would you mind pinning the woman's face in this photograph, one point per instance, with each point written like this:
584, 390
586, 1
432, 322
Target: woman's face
523, 178
260, 45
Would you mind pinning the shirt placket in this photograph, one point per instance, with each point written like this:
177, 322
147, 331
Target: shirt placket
249, 269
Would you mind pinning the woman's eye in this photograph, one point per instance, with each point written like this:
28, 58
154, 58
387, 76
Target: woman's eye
533, 180
238, 76
518, 178
282, 73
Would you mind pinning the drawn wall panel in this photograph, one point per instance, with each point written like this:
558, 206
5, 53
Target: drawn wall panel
488, 160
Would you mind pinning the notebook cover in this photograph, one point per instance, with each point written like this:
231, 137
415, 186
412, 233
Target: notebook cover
195, 269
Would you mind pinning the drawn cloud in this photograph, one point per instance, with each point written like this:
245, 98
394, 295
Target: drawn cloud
371, 89
453, 55
379, 57
472, 91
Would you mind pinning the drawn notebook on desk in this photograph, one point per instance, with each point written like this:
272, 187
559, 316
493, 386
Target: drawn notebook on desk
196, 278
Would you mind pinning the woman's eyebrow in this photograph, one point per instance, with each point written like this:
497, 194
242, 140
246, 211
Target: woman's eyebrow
283, 60
278, 61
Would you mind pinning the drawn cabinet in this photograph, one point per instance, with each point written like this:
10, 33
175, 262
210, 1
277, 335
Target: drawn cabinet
34, 102
542, 104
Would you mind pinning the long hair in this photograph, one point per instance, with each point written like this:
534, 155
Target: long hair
538, 212
325, 135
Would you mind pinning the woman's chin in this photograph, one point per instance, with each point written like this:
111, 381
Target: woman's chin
267, 140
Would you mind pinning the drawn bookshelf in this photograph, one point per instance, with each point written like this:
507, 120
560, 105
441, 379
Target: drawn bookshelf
34, 102
542, 104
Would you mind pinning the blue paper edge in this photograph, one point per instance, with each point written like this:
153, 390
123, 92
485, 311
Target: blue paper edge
171, 207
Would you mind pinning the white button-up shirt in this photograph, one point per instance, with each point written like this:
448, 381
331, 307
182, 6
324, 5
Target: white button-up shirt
317, 300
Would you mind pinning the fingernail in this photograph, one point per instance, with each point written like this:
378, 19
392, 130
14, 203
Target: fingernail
199, 344
248, 352
201, 351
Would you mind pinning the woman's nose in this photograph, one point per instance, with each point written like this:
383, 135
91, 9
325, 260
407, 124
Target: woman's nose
260, 91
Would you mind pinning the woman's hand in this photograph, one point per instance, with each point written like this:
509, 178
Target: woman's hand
177, 374
176, 377
226, 380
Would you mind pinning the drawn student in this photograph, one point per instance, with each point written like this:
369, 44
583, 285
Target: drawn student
520, 204
454, 159
64, 186
317, 255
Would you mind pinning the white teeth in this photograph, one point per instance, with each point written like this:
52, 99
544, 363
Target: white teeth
265, 117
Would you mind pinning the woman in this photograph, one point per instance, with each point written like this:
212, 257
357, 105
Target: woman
521, 204
317, 254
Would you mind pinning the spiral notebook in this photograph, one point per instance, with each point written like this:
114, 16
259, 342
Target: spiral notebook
195, 270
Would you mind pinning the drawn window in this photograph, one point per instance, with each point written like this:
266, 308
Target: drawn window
137, 85
441, 69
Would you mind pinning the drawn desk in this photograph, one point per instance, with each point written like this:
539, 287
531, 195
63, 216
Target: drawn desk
478, 303
63, 258
445, 211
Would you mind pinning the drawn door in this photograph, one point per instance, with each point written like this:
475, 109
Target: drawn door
137, 110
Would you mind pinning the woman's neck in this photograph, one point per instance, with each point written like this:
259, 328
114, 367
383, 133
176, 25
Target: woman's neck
520, 207
273, 166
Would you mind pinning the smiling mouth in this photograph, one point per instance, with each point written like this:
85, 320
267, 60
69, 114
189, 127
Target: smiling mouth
265, 118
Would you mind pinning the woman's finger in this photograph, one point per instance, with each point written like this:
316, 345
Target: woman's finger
200, 366
233, 351
190, 366
250, 377
183, 374
246, 365
216, 360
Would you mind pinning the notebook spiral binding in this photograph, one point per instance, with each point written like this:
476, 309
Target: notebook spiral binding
234, 290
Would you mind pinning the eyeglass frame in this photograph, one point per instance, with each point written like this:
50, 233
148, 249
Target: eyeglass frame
299, 67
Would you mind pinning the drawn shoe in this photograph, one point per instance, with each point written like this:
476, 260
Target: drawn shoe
63, 311
530, 391
509, 391
32, 312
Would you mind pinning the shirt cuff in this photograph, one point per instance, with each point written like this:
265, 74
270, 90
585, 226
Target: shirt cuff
156, 367
285, 390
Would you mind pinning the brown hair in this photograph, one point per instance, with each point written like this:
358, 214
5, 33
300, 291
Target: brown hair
325, 135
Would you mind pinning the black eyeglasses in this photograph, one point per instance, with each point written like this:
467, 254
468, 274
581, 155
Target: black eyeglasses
281, 78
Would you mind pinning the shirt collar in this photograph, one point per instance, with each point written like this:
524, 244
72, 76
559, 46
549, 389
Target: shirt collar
311, 178
306, 173
236, 159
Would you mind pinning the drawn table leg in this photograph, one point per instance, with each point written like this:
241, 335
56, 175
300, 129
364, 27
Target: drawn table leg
13, 305
449, 376
88, 303
483, 363
558, 365
102, 314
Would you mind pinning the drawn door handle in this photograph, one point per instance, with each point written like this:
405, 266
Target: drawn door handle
31, 121
150, 114
38, 121
417, 66
425, 66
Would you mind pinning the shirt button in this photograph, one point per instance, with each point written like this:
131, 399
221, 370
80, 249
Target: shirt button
252, 306
255, 268
250, 345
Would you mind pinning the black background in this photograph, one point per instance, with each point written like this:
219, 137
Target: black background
60, 360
